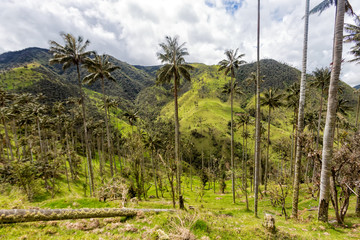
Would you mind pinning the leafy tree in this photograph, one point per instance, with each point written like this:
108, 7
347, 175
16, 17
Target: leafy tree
228, 65
175, 67
74, 53
100, 69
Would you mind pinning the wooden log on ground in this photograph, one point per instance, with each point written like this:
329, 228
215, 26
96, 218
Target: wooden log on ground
33, 215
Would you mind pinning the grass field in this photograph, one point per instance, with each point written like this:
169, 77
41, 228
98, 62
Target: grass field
212, 217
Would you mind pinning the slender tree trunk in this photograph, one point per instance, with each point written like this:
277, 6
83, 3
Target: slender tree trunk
357, 208
89, 163
357, 112
245, 173
319, 120
334, 198
191, 173
315, 167
328, 139
292, 151
257, 123
100, 159
154, 172
8, 142
177, 145
267, 152
300, 120
69, 156
107, 129
232, 141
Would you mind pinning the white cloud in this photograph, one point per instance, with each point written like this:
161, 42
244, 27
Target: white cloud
132, 29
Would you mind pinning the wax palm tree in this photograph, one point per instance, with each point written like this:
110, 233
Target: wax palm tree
257, 123
228, 65
173, 56
272, 100
100, 68
300, 120
132, 117
321, 80
328, 140
74, 53
226, 89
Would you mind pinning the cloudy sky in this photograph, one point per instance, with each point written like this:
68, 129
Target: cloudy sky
131, 30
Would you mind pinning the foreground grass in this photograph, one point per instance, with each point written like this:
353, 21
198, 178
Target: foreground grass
214, 216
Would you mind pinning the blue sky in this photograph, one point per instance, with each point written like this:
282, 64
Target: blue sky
131, 30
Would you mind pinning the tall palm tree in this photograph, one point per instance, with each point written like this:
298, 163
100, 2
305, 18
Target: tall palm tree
328, 139
172, 55
292, 98
321, 80
257, 122
228, 65
100, 68
74, 53
300, 125
272, 100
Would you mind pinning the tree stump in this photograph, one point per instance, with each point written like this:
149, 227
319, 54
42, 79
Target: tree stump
269, 223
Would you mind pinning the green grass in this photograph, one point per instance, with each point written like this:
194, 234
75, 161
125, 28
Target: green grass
215, 216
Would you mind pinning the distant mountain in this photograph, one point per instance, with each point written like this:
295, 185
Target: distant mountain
129, 80
276, 74
357, 86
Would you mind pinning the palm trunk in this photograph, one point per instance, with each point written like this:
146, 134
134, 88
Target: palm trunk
328, 139
357, 208
319, 121
315, 167
154, 172
257, 123
89, 163
357, 113
8, 142
298, 153
267, 152
31, 215
245, 171
232, 142
107, 129
177, 145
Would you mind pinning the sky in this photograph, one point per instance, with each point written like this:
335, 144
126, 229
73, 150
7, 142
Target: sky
131, 30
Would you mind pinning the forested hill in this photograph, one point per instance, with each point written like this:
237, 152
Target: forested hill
129, 80
57, 84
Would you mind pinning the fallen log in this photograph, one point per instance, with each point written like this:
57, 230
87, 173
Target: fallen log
33, 215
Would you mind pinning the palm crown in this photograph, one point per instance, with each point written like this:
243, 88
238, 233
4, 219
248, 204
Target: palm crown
99, 68
175, 66
72, 53
232, 62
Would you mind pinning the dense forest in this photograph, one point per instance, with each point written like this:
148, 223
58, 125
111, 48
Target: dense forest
220, 143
